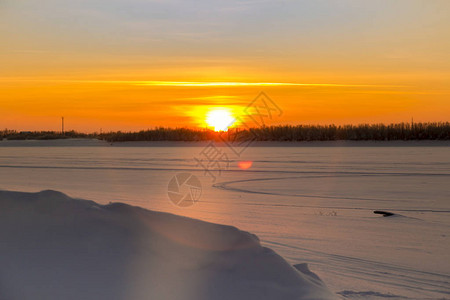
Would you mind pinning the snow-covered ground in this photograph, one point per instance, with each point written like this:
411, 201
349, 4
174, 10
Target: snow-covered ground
55, 247
311, 205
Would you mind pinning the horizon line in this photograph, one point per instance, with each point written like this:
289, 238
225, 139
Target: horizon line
197, 128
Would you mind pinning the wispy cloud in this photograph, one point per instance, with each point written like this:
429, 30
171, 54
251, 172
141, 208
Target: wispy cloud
212, 84
246, 84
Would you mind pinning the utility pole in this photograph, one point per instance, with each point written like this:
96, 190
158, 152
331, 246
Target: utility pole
62, 125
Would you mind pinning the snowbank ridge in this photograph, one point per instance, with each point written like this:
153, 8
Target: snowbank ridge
56, 247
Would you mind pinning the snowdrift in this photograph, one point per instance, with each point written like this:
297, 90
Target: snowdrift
56, 247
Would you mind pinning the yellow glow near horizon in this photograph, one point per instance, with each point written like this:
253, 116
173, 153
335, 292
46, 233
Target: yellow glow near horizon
220, 119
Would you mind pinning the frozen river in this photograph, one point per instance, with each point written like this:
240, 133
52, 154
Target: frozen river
310, 204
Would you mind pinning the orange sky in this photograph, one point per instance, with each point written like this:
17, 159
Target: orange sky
137, 64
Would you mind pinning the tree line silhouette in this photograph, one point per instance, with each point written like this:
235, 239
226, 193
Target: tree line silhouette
43, 135
365, 132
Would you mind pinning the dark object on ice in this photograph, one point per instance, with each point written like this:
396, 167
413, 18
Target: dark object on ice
384, 213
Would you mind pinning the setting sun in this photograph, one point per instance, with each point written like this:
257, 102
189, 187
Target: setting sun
220, 119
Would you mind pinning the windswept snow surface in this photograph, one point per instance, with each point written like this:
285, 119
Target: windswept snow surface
310, 204
54, 247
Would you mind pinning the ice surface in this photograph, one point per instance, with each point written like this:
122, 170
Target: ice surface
309, 204
54, 247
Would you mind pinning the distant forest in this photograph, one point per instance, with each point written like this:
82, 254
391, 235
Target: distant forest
362, 132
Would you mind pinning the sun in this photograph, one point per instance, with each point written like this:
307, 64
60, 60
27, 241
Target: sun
220, 119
